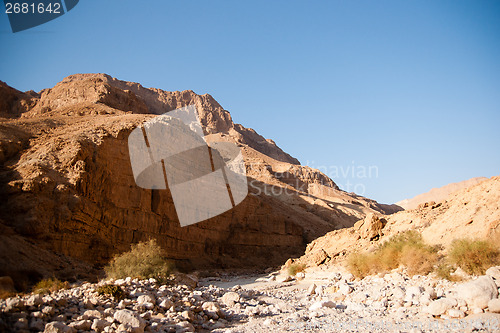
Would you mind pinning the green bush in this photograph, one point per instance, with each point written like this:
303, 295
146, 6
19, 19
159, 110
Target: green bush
47, 286
407, 249
144, 260
474, 256
111, 290
293, 269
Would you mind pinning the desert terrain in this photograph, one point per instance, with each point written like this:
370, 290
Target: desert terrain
286, 259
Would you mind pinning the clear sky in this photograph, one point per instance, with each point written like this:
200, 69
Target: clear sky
408, 88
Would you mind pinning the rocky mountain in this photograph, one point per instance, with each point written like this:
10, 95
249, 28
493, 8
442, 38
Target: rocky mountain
473, 212
67, 190
438, 194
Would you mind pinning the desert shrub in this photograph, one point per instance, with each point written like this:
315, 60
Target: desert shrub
360, 264
46, 286
144, 260
407, 249
474, 256
111, 290
293, 269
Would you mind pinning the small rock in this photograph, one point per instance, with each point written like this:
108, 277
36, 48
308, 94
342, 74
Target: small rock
91, 314
494, 272
322, 304
131, 319
440, 306
454, 313
99, 325
82, 325
144, 299
58, 327
345, 289
34, 300
311, 290
48, 310
187, 315
186, 326
230, 298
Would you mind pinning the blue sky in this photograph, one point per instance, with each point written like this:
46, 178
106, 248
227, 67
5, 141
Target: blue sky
410, 87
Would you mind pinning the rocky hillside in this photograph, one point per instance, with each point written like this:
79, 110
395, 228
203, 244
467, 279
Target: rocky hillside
67, 189
438, 194
473, 212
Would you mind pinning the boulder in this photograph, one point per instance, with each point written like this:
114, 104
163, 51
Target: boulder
479, 292
371, 227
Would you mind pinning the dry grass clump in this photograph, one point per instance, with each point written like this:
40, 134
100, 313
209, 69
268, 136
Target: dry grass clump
144, 260
293, 269
111, 290
474, 256
47, 286
407, 249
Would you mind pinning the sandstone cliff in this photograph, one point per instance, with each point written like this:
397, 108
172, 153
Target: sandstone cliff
66, 184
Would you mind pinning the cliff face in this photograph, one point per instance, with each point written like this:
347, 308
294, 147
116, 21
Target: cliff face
66, 183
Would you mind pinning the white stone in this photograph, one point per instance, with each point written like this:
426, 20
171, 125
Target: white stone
494, 272
345, 289
34, 300
230, 298
311, 290
131, 319
91, 314
478, 292
440, 306
455, 313
321, 304
413, 293
143, 299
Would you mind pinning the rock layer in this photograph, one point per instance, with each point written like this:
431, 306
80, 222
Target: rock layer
66, 183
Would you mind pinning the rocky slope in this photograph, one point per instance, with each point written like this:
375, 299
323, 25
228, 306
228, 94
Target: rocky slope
473, 212
66, 185
438, 194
